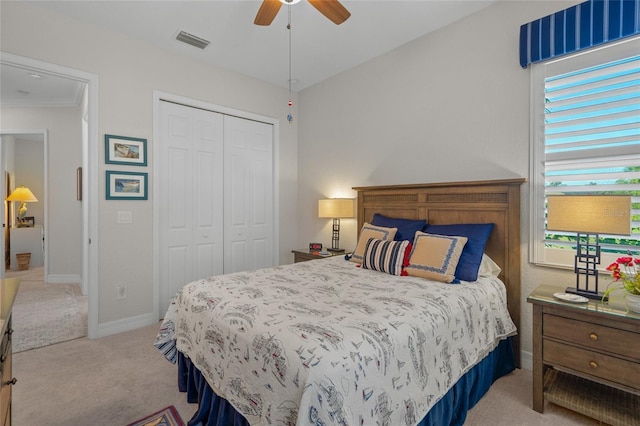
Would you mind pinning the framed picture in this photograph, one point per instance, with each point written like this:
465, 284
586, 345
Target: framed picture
125, 150
126, 185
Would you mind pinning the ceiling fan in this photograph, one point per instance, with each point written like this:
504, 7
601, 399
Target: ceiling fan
332, 9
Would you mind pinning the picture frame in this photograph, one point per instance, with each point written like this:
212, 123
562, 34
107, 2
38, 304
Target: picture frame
28, 222
125, 150
126, 185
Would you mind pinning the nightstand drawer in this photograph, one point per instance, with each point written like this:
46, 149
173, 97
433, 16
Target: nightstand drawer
594, 336
593, 363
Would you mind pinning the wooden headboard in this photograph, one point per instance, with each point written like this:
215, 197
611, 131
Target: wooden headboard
495, 201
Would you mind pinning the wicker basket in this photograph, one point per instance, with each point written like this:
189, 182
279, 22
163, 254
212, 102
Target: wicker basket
23, 261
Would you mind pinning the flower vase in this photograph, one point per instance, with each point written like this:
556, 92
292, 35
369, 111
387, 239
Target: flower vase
632, 301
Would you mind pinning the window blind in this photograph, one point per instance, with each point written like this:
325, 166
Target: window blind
592, 139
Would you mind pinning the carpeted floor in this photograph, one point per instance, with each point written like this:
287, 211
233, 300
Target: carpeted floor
45, 314
118, 379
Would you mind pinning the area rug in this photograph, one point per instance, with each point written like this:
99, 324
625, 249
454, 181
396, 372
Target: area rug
44, 315
166, 417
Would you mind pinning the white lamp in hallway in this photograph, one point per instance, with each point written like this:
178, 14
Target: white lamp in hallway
24, 195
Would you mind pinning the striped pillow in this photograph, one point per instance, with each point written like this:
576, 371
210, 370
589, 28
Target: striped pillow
435, 257
386, 256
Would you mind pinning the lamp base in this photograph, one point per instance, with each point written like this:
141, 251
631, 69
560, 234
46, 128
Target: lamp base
337, 250
585, 293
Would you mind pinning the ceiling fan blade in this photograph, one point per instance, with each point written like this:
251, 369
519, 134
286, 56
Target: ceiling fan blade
332, 9
267, 12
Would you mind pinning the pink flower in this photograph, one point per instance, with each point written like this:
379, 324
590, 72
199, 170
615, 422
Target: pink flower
627, 270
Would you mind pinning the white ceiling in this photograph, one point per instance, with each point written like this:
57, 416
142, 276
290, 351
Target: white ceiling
320, 49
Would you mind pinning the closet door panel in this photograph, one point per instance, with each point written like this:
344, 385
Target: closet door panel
248, 194
209, 227
261, 223
190, 197
236, 208
176, 235
177, 267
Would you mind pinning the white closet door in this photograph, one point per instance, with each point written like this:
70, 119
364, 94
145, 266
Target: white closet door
191, 186
248, 195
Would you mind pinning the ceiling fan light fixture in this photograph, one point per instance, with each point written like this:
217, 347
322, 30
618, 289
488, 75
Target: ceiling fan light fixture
289, 2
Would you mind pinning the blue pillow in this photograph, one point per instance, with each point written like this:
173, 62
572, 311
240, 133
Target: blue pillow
471, 257
406, 227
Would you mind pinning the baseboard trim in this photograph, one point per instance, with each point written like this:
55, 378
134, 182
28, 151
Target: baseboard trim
63, 279
125, 324
526, 360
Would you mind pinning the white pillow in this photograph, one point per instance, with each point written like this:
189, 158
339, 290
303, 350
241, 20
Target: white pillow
488, 268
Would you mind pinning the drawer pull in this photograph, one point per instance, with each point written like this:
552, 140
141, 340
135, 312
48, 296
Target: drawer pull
9, 331
10, 382
593, 364
3, 358
593, 336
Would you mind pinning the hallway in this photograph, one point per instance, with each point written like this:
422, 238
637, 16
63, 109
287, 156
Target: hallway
45, 314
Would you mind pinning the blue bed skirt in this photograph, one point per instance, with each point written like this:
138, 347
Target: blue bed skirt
450, 410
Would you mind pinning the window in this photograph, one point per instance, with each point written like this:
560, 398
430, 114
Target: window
585, 140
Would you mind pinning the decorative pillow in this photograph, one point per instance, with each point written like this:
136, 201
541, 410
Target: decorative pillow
371, 231
477, 235
488, 268
406, 227
386, 256
435, 257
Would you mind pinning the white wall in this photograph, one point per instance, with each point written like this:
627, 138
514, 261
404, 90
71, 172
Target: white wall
450, 106
129, 71
63, 126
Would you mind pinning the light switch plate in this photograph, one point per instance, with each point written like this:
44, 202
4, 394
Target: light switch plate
125, 216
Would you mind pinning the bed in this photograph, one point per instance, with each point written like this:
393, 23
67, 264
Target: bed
330, 342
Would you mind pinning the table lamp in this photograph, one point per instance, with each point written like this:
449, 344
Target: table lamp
24, 195
588, 216
336, 208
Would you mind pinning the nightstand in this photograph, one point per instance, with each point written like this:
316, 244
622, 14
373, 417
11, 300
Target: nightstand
586, 357
302, 255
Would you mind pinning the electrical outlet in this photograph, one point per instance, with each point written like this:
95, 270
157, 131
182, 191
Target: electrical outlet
122, 291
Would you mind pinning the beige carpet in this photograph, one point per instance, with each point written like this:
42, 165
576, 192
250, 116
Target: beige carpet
118, 379
45, 314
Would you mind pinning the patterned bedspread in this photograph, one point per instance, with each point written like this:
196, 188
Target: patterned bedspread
325, 342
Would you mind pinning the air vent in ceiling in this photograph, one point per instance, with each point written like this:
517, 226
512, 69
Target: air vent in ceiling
192, 40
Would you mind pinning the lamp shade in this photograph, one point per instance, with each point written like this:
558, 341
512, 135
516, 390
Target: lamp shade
589, 214
23, 194
336, 208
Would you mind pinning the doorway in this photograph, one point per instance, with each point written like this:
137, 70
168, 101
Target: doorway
24, 160
88, 175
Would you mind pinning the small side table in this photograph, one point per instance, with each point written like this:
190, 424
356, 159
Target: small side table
586, 357
302, 255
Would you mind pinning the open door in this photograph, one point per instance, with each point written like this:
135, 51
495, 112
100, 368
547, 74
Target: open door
6, 222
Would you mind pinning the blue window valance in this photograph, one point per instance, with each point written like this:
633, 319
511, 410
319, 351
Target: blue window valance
585, 25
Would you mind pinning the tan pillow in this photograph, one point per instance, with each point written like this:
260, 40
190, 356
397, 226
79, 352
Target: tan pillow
435, 257
371, 231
